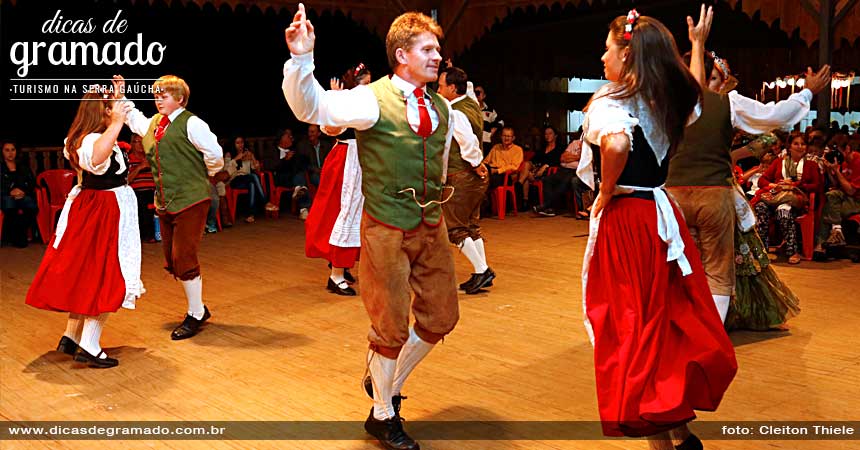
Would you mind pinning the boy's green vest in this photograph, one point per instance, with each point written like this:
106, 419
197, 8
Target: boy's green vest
393, 158
178, 169
472, 110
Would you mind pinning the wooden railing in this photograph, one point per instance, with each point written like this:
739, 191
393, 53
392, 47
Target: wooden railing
41, 159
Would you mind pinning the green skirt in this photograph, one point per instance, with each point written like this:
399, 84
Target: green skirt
761, 300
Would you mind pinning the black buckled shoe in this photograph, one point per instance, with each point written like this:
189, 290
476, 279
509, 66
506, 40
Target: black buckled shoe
337, 289
95, 361
691, 443
396, 400
483, 280
390, 433
190, 326
67, 346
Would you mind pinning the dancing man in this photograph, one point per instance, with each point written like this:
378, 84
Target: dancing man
402, 131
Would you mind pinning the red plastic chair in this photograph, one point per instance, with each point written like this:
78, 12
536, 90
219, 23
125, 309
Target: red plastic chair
1, 224
52, 188
806, 224
232, 199
539, 183
277, 191
499, 201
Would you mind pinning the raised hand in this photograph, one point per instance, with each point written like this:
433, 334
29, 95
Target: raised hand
336, 84
118, 86
815, 82
698, 33
300, 34
119, 111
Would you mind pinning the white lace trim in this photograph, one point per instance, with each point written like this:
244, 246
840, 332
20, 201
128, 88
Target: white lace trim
347, 228
606, 116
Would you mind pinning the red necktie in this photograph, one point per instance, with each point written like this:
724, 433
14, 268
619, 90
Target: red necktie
425, 127
159, 132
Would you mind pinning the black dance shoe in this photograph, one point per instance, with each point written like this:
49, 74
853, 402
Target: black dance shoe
390, 433
190, 326
346, 274
464, 286
67, 346
691, 443
95, 361
337, 289
483, 280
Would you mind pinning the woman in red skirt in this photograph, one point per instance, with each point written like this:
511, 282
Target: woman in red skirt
92, 265
660, 350
334, 222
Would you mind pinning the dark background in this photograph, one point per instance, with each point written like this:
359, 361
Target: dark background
233, 58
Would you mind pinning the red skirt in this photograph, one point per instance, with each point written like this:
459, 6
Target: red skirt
324, 212
82, 275
660, 349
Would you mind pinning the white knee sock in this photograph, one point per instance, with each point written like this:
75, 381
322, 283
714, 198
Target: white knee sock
480, 245
74, 327
337, 274
722, 302
469, 249
382, 374
411, 354
91, 334
194, 294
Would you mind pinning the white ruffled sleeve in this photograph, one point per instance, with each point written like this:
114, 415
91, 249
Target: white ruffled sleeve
605, 116
85, 155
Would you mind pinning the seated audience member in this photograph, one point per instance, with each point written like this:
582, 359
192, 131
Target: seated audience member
246, 165
315, 148
548, 155
292, 172
18, 195
843, 199
504, 157
563, 181
789, 180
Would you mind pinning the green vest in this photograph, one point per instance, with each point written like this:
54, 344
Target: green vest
178, 169
704, 157
472, 110
393, 157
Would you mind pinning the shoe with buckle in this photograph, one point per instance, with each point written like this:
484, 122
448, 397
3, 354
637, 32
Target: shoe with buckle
67, 346
390, 433
481, 281
95, 361
190, 326
341, 288
396, 400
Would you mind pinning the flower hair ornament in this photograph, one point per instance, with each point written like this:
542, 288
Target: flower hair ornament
632, 17
358, 69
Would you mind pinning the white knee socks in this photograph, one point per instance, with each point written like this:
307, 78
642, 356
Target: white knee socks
480, 245
411, 354
91, 333
382, 374
194, 294
470, 249
337, 274
74, 327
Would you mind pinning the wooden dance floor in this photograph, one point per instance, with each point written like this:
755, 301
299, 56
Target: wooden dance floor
279, 347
